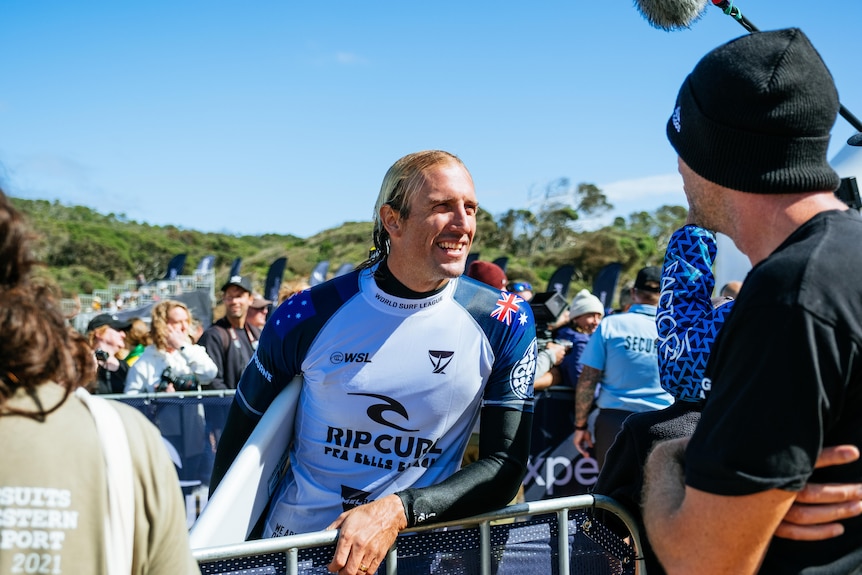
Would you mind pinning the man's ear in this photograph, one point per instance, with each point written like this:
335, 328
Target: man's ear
391, 219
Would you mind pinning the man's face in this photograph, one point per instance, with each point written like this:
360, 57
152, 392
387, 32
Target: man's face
236, 302
431, 245
257, 316
111, 339
704, 199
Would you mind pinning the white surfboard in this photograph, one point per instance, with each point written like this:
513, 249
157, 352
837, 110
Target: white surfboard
240, 499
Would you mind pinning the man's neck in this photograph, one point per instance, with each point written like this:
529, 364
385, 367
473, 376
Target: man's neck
765, 221
387, 281
236, 322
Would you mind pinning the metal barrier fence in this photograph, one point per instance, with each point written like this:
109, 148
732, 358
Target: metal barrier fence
581, 534
191, 423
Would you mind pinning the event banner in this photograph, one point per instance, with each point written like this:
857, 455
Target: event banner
556, 468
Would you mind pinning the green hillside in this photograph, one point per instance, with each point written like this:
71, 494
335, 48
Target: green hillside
84, 250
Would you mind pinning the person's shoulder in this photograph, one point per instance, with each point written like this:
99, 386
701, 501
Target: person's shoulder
216, 327
217, 331
820, 255
136, 423
612, 320
466, 284
471, 290
321, 298
220, 323
481, 300
151, 458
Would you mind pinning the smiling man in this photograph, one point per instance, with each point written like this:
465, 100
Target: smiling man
231, 340
398, 359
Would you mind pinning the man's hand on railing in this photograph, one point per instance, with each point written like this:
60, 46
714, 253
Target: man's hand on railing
818, 507
366, 534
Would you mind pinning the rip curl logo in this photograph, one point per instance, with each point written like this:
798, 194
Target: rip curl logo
523, 372
376, 412
440, 359
675, 118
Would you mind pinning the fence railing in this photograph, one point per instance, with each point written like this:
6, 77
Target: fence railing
578, 535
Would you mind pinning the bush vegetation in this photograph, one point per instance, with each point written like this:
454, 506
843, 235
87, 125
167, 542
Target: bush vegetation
85, 250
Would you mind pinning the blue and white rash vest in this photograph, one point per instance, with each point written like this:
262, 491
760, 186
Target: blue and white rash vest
391, 387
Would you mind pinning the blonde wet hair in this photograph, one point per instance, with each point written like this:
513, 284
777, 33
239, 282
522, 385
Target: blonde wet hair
400, 184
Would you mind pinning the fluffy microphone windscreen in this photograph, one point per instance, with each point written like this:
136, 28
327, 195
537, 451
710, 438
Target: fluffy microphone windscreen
671, 14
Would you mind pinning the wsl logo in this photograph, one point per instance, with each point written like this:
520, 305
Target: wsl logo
350, 357
440, 359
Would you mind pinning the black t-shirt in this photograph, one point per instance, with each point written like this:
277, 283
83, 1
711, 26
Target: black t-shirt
786, 377
112, 381
621, 477
230, 349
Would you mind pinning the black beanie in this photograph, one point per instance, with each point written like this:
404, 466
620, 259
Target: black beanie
755, 115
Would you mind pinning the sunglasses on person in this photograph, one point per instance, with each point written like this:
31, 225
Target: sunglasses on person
521, 286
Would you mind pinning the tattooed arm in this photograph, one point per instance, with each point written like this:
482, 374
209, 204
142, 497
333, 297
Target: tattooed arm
585, 394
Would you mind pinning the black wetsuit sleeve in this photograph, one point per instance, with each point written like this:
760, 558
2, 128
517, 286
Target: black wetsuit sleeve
487, 484
236, 432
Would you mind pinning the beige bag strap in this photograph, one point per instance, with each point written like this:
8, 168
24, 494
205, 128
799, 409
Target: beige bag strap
120, 519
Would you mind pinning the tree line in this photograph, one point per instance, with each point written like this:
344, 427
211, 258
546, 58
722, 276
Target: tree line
84, 250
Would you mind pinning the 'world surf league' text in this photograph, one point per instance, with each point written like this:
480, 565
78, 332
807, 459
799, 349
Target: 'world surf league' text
408, 305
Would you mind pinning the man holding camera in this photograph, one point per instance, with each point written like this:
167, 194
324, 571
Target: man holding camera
106, 335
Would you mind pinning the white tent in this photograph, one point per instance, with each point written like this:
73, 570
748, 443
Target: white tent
731, 264
848, 162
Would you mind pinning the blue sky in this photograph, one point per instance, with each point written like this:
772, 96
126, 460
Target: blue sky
263, 116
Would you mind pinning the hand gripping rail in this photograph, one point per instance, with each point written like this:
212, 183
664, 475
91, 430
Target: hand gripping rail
572, 533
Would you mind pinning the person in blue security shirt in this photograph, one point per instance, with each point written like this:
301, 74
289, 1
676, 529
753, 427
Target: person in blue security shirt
621, 356
398, 359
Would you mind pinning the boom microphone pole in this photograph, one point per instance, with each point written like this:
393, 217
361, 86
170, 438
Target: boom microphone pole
728, 8
672, 15
734, 12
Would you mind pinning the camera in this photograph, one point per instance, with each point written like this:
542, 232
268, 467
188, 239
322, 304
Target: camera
184, 382
547, 308
566, 343
101, 355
